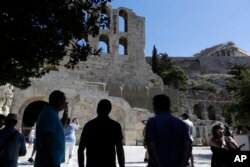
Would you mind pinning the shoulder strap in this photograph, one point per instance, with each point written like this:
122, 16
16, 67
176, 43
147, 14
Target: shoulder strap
4, 143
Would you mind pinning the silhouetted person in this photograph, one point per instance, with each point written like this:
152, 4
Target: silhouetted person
12, 143
102, 138
167, 137
50, 141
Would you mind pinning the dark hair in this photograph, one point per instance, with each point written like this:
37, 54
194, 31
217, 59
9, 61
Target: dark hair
10, 122
185, 116
162, 102
104, 107
56, 96
215, 128
2, 117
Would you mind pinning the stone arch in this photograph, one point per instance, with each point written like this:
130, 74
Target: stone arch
211, 112
104, 43
123, 21
198, 111
123, 46
26, 113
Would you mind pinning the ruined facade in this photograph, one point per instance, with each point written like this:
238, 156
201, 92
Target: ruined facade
122, 75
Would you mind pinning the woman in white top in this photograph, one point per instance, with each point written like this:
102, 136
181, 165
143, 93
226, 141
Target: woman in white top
70, 137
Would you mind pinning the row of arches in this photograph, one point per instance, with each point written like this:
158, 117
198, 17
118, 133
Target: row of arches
198, 110
104, 44
122, 20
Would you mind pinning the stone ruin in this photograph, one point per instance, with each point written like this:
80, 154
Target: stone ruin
122, 75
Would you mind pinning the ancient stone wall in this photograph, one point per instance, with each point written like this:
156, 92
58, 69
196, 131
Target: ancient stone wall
210, 64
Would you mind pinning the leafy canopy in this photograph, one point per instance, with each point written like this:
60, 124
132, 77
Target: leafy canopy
171, 74
38, 32
240, 84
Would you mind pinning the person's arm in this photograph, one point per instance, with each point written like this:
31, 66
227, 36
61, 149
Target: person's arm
22, 150
64, 119
120, 154
186, 153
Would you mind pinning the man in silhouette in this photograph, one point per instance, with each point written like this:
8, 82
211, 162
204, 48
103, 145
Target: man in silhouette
102, 139
167, 138
50, 141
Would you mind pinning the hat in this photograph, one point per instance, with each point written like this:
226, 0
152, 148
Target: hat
12, 116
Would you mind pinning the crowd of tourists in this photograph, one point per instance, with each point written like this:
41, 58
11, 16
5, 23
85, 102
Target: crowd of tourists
168, 139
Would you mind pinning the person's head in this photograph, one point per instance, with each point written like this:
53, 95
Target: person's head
10, 120
218, 130
104, 107
57, 99
161, 103
184, 116
2, 117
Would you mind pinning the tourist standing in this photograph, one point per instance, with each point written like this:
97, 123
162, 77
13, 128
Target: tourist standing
221, 146
50, 140
70, 136
102, 139
167, 137
190, 125
12, 143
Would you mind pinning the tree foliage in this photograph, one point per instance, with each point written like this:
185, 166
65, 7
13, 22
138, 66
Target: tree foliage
175, 77
171, 74
241, 104
37, 32
155, 61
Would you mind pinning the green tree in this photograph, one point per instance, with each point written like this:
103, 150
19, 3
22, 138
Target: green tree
35, 32
165, 63
155, 61
241, 105
175, 77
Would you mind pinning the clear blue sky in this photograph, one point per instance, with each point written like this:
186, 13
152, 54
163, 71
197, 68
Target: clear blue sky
184, 27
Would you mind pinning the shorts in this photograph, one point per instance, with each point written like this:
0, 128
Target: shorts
70, 147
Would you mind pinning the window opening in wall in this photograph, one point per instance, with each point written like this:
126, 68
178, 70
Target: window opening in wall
103, 46
121, 24
123, 48
198, 111
211, 113
123, 21
104, 43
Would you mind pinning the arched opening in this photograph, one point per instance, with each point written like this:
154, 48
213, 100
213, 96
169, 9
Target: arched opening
211, 113
30, 115
104, 43
123, 46
198, 111
123, 21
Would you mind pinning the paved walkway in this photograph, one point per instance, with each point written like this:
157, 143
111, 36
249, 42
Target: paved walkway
134, 156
